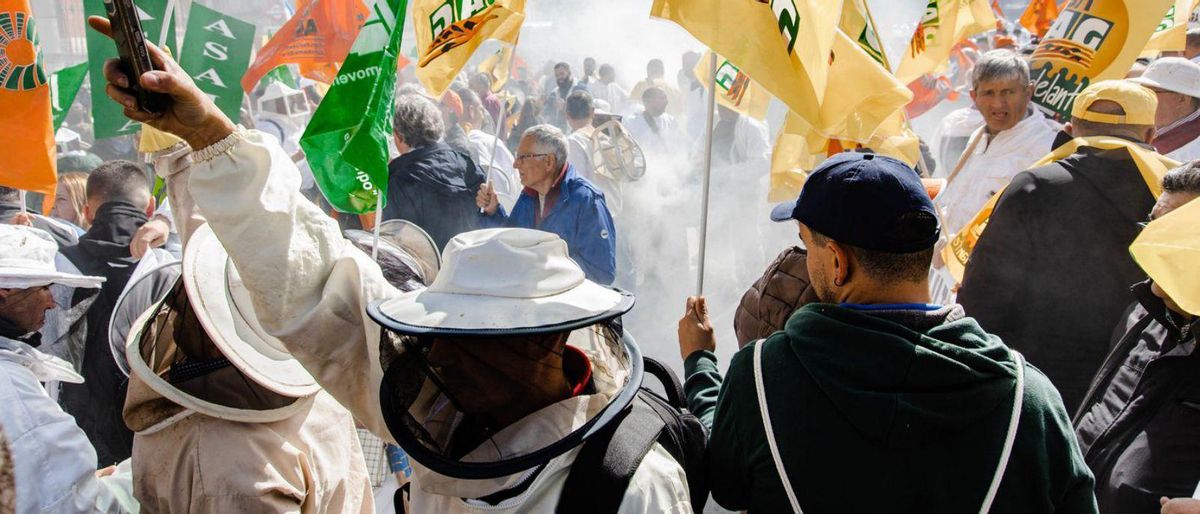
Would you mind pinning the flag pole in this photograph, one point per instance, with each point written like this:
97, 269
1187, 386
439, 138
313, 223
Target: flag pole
21, 197
708, 144
378, 222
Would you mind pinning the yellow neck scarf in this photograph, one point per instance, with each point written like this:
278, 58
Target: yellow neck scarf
1150, 164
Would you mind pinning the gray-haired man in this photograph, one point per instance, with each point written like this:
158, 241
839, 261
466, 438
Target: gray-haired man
1014, 136
430, 184
556, 199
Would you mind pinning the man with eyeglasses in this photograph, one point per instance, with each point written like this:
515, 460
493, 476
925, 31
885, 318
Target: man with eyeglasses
556, 199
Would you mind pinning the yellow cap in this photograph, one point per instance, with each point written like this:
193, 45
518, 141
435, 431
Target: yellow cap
1138, 102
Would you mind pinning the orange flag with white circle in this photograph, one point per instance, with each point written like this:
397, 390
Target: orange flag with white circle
26, 125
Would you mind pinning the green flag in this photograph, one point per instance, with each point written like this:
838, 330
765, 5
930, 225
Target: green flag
64, 86
108, 115
283, 75
216, 52
346, 141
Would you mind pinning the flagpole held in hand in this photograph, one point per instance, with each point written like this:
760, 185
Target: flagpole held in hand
708, 144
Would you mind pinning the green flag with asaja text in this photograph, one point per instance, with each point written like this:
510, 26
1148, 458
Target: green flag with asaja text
216, 52
346, 141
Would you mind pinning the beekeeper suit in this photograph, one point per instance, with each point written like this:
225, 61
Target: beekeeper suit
53, 463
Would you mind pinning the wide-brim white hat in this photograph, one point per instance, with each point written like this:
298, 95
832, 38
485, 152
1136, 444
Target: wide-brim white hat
223, 307
503, 282
1174, 74
27, 260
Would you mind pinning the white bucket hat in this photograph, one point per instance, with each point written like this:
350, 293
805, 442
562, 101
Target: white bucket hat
222, 305
27, 260
1174, 74
498, 281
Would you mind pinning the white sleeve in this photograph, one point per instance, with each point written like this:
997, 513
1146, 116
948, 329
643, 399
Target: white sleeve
309, 285
54, 464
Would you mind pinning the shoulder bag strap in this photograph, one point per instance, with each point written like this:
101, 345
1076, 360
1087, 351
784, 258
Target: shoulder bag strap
766, 419
1011, 437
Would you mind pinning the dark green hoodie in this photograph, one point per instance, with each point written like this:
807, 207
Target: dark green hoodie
887, 411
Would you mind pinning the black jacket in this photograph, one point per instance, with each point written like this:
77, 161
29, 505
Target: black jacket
434, 186
1052, 271
1139, 422
97, 403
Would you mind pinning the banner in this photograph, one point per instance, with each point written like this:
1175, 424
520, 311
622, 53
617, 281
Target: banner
26, 133
1171, 33
1092, 40
783, 45
944, 25
1168, 250
216, 51
109, 117
1038, 16
498, 66
64, 87
894, 23
316, 39
449, 31
347, 140
735, 90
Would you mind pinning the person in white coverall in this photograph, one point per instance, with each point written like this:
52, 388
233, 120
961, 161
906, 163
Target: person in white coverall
311, 289
1014, 137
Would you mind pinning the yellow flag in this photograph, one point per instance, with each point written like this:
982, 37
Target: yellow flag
783, 44
735, 89
1150, 164
154, 140
946, 23
1091, 41
449, 32
1168, 249
1171, 33
498, 66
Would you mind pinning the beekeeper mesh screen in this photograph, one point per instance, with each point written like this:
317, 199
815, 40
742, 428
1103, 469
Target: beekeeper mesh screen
424, 400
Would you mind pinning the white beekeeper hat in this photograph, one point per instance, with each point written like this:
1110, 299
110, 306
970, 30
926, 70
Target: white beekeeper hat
500, 281
27, 260
1174, 74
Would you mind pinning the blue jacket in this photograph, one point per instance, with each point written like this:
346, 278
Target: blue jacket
580, 217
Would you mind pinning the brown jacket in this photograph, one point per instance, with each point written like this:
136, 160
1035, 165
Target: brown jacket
782, 289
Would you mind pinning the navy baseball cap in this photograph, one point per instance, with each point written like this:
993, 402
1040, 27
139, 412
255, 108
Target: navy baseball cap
866, 200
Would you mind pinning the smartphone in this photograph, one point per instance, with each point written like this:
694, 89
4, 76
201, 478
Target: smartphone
135, 56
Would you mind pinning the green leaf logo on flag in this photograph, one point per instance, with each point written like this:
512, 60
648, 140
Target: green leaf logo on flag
64, 87
216, 52
346, 141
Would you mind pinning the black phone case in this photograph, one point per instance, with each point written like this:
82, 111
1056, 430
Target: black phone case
135, 57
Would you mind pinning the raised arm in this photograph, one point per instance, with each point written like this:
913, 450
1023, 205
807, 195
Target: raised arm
310, 287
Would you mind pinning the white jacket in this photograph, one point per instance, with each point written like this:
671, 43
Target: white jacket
1187, 153
991, 165
55, 464
310, 289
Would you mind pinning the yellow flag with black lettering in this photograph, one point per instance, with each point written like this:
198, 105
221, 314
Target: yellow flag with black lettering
449, 32
735, 89
945, 24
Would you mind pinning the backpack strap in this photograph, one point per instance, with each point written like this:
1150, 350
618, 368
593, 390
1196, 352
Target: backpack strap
1011, 437
766, 419
605, 465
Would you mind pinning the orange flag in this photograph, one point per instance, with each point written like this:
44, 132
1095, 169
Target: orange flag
26, 126
1039, 15
317, 38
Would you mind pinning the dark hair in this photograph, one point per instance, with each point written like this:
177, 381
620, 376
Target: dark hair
580, 105
886, 266
562, 66
119, 181
1193, 37
655, 65
651, 92
1184, 179
8, 194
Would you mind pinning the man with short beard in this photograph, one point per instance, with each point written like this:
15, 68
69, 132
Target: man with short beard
875, 387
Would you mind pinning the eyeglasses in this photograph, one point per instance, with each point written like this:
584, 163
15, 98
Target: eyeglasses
521, 157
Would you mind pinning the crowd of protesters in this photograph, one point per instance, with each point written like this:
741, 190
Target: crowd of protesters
230, 345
